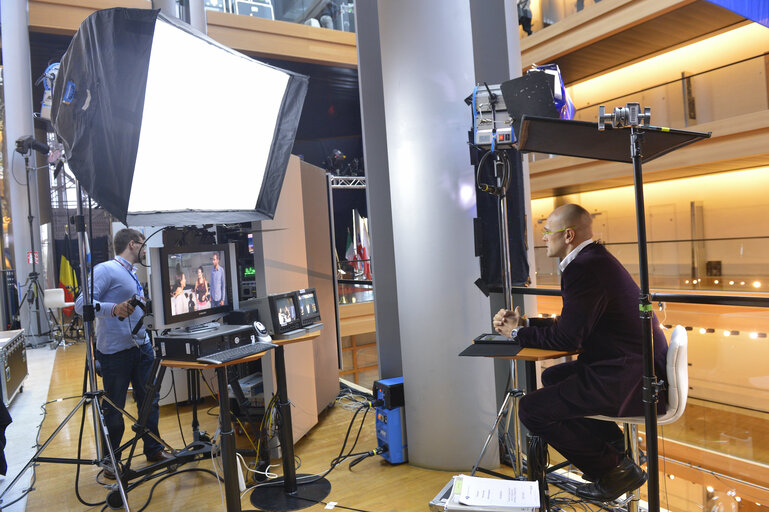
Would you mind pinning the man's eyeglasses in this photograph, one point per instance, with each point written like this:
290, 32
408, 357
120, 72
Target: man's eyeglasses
546, 231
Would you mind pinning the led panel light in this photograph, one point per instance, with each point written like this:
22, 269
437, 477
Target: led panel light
164, 126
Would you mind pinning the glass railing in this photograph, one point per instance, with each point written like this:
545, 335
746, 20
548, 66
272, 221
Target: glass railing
354, 281
723, 265
695, 98
330, 14
548, 12
692, 99
726, 421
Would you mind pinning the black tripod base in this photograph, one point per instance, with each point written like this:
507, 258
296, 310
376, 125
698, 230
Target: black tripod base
275, 499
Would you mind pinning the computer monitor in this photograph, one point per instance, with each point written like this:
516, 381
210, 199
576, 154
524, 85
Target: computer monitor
192, 284
280, 312
309, 313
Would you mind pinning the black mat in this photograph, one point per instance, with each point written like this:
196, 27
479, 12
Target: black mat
491, 350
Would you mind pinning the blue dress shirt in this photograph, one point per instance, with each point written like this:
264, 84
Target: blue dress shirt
114, 283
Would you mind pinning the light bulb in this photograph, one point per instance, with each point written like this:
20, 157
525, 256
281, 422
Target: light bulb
753, 335
727, 333
702, 330
756, 284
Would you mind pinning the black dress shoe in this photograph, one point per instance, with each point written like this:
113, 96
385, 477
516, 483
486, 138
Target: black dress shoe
159, 456
626, 477
619, 445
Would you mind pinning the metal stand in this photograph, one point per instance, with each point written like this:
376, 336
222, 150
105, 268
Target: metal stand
510, 403
650, 384
34, 291
273, 496
93, 396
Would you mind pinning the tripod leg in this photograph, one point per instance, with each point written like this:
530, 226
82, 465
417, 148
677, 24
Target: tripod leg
111, 453
508, 397
44, 445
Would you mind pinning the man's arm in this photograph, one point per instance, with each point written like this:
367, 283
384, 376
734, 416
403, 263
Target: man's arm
101, 283
584, 301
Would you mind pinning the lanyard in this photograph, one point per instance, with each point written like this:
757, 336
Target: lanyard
123, 263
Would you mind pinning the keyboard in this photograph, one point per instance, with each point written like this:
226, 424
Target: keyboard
231, 354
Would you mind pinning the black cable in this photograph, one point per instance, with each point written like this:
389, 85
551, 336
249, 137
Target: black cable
79, 453
31, 486
506, 174
145, 243
162, 478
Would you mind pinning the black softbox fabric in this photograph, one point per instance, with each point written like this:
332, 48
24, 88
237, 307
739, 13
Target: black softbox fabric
98, 103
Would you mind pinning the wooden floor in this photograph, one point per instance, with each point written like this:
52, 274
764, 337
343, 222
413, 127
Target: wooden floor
373, 485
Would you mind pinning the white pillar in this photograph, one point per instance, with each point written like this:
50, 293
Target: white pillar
17, 84
427, 71
193, 12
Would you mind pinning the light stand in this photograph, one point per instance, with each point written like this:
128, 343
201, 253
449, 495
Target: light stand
502, 176
24, 146
91, 396
631, 116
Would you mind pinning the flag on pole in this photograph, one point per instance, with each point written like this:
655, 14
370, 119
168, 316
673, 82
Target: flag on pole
364, 246
349, 253
67, 281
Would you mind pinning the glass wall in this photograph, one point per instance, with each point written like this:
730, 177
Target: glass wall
330, 14
707, 235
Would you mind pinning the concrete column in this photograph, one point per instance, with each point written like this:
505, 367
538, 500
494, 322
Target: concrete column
426, 72
17, 83
378, 190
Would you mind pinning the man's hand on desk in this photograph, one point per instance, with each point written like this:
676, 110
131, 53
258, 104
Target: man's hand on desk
505, 321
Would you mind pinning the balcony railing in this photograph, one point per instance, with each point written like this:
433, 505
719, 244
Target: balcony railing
331, 14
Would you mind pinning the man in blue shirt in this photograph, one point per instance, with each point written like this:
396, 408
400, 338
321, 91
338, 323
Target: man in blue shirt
217, 283
124, 358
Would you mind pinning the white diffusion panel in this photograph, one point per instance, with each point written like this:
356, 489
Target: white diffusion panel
427, 72
207, 127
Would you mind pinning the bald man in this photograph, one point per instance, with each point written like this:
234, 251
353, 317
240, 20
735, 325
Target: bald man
600, 317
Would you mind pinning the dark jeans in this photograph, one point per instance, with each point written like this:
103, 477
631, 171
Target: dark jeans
562, 424
118, 370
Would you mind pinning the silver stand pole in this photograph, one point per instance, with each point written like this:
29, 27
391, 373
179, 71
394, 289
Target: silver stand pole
504, 244
88, 319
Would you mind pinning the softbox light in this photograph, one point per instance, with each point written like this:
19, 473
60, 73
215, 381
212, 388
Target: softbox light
164, 126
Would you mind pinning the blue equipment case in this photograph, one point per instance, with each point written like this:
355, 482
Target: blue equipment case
391, 421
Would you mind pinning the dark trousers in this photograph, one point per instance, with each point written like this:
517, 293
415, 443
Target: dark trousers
118, 370
562, 424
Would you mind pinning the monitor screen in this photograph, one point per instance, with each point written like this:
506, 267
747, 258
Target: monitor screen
285, 310
308, 306
196, 282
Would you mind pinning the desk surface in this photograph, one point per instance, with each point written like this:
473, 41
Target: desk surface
194, 365
539, 354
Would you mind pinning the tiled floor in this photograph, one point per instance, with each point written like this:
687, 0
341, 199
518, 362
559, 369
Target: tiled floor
27, 415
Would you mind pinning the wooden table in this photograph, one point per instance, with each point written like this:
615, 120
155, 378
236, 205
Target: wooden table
231, 491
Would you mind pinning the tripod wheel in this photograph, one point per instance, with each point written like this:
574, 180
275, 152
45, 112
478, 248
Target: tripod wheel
114, 500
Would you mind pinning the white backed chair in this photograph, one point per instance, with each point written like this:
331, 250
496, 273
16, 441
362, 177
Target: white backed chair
53, 299
677, 391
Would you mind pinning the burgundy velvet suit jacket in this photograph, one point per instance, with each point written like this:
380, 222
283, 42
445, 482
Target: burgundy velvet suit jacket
600, 317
